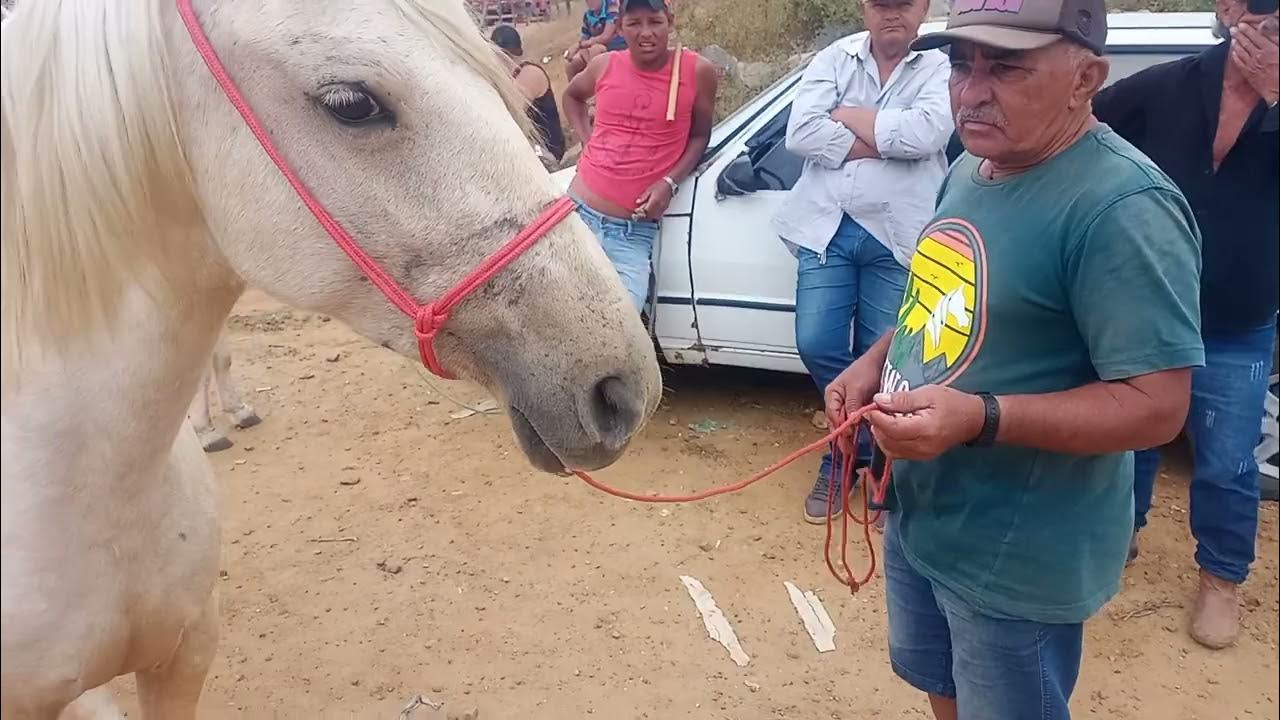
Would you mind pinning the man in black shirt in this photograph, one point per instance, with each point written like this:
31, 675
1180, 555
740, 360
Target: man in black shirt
1210, 122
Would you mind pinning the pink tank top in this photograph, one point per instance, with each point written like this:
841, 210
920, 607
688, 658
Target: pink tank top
632, 145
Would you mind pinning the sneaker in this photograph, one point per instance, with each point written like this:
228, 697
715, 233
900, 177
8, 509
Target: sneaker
815, 505
1215, 616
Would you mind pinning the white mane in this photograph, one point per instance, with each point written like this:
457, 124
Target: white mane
91, 165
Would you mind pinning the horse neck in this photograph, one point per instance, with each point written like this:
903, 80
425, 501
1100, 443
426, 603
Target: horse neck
107, 408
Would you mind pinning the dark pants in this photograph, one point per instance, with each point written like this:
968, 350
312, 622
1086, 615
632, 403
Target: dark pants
1223, 423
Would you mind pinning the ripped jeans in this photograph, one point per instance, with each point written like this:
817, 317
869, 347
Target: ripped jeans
1227, 396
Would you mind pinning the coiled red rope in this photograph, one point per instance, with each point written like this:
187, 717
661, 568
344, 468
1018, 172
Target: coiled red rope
874, 490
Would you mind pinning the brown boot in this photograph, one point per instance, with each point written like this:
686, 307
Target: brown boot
1215, 617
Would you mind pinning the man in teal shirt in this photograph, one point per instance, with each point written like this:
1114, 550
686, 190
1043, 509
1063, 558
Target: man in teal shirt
1049, 326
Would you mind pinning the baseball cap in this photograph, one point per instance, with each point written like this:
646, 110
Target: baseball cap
507, 38
651, 5
1022, 24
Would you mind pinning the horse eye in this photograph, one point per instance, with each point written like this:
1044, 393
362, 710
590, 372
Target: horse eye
351, 105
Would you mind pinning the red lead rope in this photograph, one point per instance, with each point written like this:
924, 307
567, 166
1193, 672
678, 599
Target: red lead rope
874, 489
427, 319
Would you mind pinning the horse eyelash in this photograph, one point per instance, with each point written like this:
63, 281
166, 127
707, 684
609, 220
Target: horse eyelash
343, 95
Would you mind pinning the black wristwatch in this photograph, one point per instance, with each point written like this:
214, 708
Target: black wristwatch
990, 422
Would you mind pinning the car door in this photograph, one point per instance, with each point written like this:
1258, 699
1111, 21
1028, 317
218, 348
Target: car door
744, 278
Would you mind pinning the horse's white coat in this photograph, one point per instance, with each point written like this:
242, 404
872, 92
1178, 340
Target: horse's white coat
135, 209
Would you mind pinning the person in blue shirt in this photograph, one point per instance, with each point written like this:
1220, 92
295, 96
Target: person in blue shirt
599, 35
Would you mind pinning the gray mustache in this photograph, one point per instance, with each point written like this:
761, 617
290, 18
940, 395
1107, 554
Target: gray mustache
980, 114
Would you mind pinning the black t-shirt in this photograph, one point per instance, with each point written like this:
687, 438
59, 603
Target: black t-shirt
1170, 112
546, 117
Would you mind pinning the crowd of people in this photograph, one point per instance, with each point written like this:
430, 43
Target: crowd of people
1038, 282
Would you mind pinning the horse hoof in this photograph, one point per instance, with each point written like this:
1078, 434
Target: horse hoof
216, 444
247, 421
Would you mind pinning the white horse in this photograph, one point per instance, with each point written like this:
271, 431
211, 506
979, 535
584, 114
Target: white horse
136, 208
217, 380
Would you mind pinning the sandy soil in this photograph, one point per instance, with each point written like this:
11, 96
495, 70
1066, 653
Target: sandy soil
469, 578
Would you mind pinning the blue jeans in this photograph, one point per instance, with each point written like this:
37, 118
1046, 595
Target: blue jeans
996, 669
1227, 397
845, 300
629, 246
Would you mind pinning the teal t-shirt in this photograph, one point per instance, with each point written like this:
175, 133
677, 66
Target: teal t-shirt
1084, 268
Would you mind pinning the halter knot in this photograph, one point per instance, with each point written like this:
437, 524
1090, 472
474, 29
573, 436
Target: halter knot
427, 321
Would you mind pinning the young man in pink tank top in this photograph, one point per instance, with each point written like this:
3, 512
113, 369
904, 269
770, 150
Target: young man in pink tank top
634, 158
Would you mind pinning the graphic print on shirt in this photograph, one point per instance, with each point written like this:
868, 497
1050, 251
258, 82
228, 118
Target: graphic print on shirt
634, 122
942, 319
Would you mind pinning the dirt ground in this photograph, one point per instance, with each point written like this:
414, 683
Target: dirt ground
376, 548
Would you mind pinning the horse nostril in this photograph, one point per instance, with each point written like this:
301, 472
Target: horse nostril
615, 410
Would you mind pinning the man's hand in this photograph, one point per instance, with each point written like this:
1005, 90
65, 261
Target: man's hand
653, 202
922, 424
1258, 57
848, 393
861, 151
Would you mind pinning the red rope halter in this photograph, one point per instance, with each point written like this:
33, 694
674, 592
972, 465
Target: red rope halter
428, 319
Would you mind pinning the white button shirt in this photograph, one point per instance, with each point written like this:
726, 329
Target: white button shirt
892, 196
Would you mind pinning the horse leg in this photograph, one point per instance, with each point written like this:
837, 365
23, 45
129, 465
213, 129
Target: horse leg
95, 704
173, 690
211, 439
242, 415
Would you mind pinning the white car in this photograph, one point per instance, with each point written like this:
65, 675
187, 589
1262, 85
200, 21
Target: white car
724, 287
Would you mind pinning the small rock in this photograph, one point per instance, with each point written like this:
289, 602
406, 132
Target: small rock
349, 481
752, 686
389, 567
709, 545
223, 574
306, 376
333, 356
819, 420
724, 62
757, 75
615, 635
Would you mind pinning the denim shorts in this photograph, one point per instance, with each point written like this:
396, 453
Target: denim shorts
629, 246
996, 669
